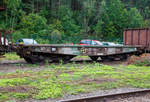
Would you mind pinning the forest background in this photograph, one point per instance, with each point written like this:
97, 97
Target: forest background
69, 21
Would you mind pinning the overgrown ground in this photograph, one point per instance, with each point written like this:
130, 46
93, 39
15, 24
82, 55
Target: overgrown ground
56, 80
11, 56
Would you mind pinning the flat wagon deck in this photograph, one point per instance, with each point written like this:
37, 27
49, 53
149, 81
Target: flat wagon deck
57, 52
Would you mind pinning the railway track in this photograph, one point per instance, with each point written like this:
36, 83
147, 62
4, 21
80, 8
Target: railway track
7, 62
133, 96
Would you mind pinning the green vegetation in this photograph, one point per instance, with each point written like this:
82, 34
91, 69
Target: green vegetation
57, 80
144, 62
69, 21
11, 56
49, 89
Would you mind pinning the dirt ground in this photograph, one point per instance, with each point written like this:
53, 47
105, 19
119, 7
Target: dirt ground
7, 66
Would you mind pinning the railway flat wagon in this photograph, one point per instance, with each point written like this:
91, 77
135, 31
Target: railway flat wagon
136, 42
38, 53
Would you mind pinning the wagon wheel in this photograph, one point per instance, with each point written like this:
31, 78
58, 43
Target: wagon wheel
34, 60
104, 58
123, 57
55, 59
64, 59
107, 58
94, 58
28, 60
111, 58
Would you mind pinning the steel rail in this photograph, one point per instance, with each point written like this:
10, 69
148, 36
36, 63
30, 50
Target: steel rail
102, 98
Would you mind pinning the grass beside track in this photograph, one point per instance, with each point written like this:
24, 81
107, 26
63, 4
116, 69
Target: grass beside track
11, 56
56, 80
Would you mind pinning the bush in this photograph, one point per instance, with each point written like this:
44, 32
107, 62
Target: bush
143, 60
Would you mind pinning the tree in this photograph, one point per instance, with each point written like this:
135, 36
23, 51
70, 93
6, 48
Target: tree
12, 13
141, 5
88, 15
135, 20
104, 19
112, 14
32, 24
65, 16
98, 29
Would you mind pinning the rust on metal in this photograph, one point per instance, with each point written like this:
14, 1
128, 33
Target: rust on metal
124, 36
146, 36
140, 36
132, 37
